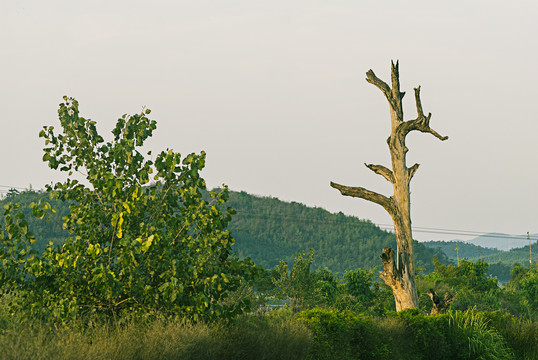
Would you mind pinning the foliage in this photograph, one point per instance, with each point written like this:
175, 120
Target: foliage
358, 283
296, 283
341, 335
410, 335
466, 250
520, 334
135, 246
484, 342
467, 274
44, 231
523, 289
263, 338
269, 230
511, 257
306, 289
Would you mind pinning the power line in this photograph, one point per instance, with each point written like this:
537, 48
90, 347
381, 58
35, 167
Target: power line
388, 227
12, 187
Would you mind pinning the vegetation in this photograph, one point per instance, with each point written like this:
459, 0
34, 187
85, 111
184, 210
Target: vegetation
269, 230
144, 269
314, 334
412, 335
501, 262
465, 250
134, 247
250, 337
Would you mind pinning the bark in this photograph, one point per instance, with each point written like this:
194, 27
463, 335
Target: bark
440, 304
399, 274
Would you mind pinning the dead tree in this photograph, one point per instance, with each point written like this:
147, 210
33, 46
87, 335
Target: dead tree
440, 304
400, 275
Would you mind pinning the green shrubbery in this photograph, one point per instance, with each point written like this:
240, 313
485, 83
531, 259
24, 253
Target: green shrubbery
316, 334
413, 335
141, 238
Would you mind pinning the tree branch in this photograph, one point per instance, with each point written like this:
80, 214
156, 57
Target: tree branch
395, 78
383, 171
384, 87
411, 171
421, 123
387, 203
381, 85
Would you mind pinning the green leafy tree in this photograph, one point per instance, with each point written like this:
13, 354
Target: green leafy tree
297, 283
523, 286
142, 237
358, 283
467, 275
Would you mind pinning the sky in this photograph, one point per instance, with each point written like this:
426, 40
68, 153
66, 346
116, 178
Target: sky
275, 93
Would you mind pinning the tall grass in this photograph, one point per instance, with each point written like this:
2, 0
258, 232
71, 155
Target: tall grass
484, 342
521, 334
250, 337
314, 335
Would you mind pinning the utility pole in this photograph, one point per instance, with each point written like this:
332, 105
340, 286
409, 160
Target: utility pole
458, 255
530, 249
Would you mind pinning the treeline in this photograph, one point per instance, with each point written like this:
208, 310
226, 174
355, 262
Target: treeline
500, 262
269, 230
465, 250
303, 287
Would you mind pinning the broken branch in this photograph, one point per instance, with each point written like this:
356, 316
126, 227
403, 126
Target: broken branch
383, 171
387, 203
384, 87
411, 171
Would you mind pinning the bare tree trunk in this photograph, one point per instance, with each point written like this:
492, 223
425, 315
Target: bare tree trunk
400, 274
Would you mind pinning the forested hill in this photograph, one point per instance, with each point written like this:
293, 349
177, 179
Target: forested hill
466, 250
269, 230
500, 262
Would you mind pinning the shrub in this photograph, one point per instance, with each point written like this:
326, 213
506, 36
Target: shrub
521, 335
342, 335
484, 342
142, 237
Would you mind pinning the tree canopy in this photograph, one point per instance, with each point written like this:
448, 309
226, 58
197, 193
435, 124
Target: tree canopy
142, 238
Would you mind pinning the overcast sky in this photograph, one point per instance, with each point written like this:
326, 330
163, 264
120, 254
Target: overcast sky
275, 93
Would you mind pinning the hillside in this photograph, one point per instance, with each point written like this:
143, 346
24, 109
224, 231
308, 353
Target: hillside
500, 262
466, 250
269, 230
502, 242
520, 256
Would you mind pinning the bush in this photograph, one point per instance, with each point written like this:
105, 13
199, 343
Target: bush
342, 335
521, 335
413, 335
430, 334
142, 238
484, 342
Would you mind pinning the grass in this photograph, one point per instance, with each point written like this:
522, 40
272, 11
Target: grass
484, 341
250, 337
311, 335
